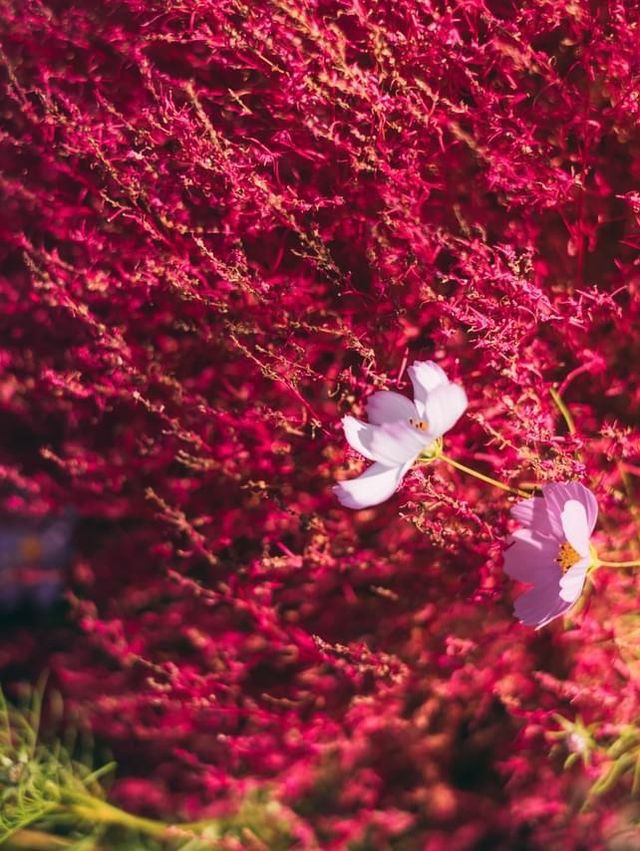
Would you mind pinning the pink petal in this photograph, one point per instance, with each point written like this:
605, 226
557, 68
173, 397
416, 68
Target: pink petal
557, 494
572, 582
444, 406
395, 444
374, 486
531, 559
533, 513
358, 435
385, 406
540, 605
575, 526
425, 377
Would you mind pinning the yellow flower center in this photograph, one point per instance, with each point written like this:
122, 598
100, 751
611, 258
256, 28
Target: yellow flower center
567, 557
30, 548
421, 425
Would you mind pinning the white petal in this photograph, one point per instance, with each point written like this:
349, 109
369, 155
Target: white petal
358, 435
575, 526
572, 582
444, 406
374, 486
386, 406
425, 377
558, 493
394, 444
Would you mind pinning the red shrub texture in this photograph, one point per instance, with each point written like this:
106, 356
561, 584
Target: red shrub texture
224, 224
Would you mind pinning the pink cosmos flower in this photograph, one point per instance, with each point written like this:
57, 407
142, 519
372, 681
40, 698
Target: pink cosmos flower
552, 552
398, 431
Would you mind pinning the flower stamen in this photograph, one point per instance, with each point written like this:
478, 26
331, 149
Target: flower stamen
421, 425
30, 548
567, 557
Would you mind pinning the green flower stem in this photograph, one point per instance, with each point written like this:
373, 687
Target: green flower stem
566, 413
471, 472
35, 840
633, 563
94, 810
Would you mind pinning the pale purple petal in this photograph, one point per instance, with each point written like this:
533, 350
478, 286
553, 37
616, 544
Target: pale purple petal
531, 559
47, 590
540, 605
557, 494
575, 526
444, 407
533, 513
568, 513
425, 377
591, 505
572, 582
359, 435
386, 406
374, 486
394, 444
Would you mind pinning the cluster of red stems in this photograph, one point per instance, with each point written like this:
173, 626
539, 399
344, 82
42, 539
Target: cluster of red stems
223, 223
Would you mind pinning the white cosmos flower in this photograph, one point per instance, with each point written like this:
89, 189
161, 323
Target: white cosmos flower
398, 431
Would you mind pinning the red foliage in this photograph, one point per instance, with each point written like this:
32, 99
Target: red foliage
222, 225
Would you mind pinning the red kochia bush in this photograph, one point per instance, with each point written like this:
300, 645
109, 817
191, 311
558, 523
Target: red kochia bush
223, 224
